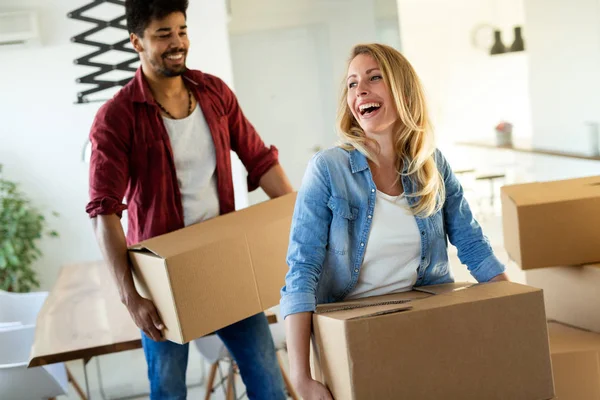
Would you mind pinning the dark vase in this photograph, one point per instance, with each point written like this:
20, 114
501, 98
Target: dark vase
498, 47
518, 44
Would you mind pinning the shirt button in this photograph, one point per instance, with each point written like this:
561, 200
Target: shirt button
370, 216
372, 190
423, 233
356, 270
362, 245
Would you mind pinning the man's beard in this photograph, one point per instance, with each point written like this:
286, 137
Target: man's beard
161, 67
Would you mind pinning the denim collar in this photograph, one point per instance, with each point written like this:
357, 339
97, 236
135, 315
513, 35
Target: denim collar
358, 161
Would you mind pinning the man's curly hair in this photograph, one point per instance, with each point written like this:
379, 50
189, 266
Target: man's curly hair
139, 13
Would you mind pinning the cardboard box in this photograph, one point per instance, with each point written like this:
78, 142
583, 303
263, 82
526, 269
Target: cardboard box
571, 294
548, 224
460, 341
209, 275
575, 362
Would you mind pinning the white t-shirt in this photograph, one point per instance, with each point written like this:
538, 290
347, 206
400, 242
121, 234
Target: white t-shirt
195, 164
393, 250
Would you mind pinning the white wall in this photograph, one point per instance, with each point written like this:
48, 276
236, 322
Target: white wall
252, 15
289, 60
43, 132
348, 22
564, 56
468, 91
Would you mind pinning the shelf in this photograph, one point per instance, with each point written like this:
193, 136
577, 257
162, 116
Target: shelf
528, 149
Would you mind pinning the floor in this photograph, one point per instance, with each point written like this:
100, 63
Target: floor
124, 374
123, 377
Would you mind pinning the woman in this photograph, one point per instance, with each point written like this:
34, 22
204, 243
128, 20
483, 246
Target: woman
372, 216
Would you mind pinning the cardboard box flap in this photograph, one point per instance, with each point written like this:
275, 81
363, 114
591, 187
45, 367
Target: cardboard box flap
554, 191
422, 298
220, 228
376, 312
367, 306
567, 339
364, 310
473, 294
489, 291
445, 288
353, 306
139, 248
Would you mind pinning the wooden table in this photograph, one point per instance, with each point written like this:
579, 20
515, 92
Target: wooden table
84, 318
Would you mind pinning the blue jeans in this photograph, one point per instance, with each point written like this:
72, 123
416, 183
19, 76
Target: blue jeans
249, 342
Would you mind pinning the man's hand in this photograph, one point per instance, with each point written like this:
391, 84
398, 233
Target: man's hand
144, 314
312, 390
111, 239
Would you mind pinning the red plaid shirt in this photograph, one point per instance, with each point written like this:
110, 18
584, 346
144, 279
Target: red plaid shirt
132, 156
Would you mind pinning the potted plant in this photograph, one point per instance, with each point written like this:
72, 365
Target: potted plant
21, 228
504, 134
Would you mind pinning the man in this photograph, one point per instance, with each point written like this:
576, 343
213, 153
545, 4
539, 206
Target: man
164, 143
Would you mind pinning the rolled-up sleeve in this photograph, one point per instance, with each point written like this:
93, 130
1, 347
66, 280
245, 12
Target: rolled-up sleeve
109, 162
464, 232
308, 240
246, 142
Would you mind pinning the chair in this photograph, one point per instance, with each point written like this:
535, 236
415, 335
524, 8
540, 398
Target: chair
17, 382
491, 178
214, 351
20, 307
20, 310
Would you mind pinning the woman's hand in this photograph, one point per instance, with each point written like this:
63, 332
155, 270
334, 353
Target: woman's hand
298, 328
500, 278
310, 389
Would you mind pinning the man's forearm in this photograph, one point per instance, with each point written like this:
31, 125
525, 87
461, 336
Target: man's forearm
111, 239
275, 182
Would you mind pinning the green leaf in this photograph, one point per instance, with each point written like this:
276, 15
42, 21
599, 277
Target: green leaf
3, 261
14, 260
9, 248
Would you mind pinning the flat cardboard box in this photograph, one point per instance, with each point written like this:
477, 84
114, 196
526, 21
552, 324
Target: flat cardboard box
549, 224
209, 275
575, 362
571, 294
460, 341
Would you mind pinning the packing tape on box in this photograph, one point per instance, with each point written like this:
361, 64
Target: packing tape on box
355, 306
423, 289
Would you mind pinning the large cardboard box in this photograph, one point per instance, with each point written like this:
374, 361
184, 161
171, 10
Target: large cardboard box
459, 341
547, 224
575, 362
209, 275
571, 294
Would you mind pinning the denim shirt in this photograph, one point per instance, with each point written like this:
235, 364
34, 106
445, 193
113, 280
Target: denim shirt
331, 225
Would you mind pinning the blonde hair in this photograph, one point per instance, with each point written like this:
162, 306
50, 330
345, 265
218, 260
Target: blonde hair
413, 136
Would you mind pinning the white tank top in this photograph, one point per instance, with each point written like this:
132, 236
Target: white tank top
393, 250
195, 164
